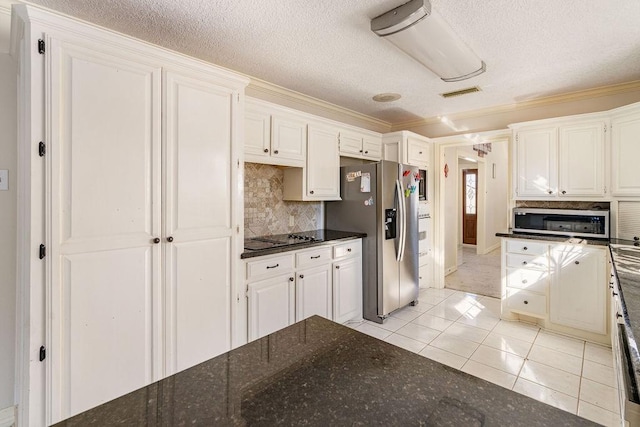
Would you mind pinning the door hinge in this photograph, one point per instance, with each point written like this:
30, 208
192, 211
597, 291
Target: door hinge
238, 229
43, 353
41, 46
43, 251
605, 128
517, 137
42, 149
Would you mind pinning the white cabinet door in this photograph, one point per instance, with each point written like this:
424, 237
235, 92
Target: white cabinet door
347, 289
105, 268
198, 227
578, 288
372, 147
313, 293
417, 152
323, 163
625, 152
350, 144
581, 158
271, 305
257, 133
536, 170
288, 138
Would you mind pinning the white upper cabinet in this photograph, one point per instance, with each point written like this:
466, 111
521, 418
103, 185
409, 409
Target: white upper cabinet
581, 159
360, 145
274, 136
625, 151
320, 179
536, 162
407, 148
560, 159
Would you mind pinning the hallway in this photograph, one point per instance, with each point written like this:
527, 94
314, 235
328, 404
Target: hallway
477, 274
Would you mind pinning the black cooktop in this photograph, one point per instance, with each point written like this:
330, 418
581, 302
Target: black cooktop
279, 240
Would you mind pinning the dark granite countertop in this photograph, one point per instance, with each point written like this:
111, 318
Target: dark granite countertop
330, 237
319, 373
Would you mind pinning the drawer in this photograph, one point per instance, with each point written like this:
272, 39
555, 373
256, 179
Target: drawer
269, 267
527, 302
528, 279
526, 247
350, 248
313, 257
527, 261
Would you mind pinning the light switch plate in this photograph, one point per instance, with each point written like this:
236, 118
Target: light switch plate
4, 180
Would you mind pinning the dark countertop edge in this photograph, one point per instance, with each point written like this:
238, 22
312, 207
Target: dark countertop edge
554, 238
634, 350
347, 235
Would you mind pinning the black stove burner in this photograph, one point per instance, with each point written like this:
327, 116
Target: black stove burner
279, 240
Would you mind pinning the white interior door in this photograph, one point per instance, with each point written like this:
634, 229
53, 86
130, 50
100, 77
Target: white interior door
104, 200
198, 218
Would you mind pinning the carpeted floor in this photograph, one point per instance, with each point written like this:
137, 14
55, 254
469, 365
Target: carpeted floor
478, 274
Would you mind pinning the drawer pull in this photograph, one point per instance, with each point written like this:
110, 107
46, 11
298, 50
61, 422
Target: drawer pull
315, 257
525, 248
524, 263
611, 286
577, 262
337, 267
618, 315
524, 282
614, 294
275, 151
526, 302
291, 279
266, 150
273, 266
348, 249
636, 238
301, 276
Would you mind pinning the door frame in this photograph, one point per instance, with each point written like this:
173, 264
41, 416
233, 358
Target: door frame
465, 140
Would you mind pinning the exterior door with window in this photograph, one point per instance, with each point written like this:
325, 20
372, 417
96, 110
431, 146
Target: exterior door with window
469, 206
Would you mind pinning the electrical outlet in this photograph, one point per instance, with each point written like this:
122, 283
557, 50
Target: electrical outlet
292, 221
4, 180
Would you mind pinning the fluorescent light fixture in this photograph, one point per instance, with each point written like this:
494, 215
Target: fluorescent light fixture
425, 36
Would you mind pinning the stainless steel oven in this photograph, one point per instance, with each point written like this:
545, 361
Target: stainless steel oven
564, 222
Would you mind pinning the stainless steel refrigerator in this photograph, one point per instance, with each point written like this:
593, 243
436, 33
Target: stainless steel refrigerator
381, 199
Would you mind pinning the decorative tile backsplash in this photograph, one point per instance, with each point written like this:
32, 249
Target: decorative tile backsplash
563, 204
264, 210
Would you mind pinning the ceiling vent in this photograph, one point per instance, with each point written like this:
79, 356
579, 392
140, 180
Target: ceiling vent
460, 92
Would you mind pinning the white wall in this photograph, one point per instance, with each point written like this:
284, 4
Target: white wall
451, 209
497, 193
8, 117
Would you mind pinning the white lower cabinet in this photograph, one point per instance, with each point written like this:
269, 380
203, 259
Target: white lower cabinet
313, 293
562, 285
578, 287
271, 305
347, 289
325, 281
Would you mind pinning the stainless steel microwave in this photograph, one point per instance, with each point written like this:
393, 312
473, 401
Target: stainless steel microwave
563, 222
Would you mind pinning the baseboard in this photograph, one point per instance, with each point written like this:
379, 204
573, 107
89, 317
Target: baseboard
8, 417
492, 248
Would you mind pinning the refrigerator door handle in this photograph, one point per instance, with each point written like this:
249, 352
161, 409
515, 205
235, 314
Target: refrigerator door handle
403, 225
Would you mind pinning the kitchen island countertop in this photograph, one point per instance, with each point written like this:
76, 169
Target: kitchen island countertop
317, 372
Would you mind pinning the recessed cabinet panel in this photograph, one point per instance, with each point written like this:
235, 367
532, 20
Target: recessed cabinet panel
578, 288
347, 289
372, 148
581, 160
625, 152
350, 143
323, 165
288, 138
536, 173
257, 132
417, 152
271, 305
313, 293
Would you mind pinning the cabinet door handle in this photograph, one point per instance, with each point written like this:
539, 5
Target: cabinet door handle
550, 192
273, 266
524, 262
577, 262
348, 249
564, 192
614, 294
315, 257
275, 151
311, 192
301, 276
419, 152
526, 302
337, 267
366, 152
618, 315
170, 239
524, 282
266, 150
291, 279
525, 248
636, 238
360, 151
156, 240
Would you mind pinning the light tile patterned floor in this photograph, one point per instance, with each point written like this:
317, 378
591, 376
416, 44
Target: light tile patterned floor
464, 331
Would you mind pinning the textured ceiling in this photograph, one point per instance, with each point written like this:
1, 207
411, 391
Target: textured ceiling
325, 49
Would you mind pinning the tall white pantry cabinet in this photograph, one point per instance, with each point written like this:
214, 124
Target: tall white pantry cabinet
129, 213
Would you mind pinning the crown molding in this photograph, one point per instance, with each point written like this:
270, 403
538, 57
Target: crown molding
297, 99
534, 103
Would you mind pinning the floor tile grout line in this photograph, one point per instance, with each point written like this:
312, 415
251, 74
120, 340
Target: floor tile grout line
584, 350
